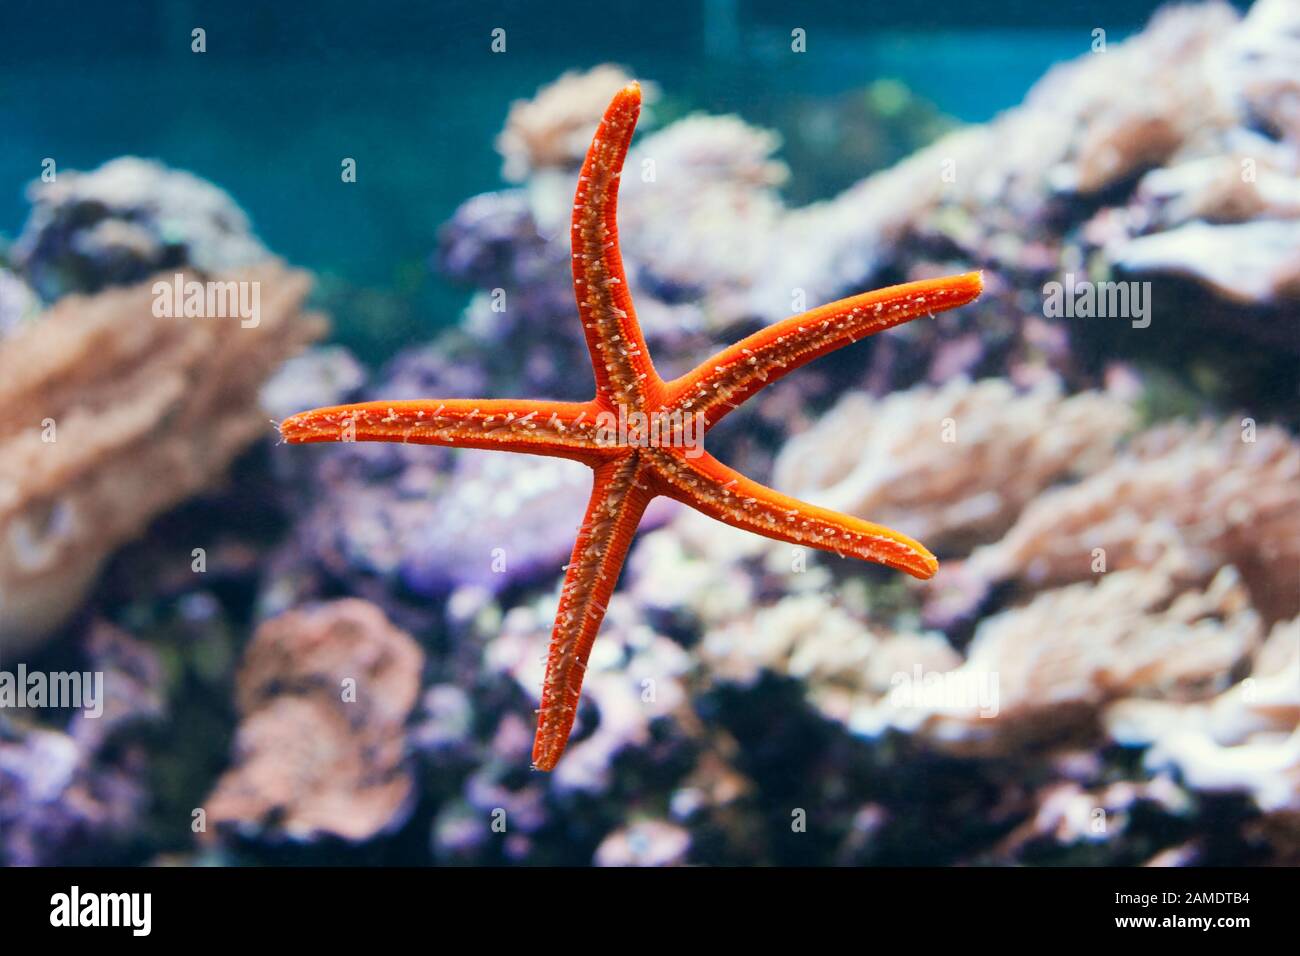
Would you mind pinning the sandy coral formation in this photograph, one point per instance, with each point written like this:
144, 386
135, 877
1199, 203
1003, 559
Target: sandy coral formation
324, 693
1226, 495
110, 417
123, 222
1252, 262
1085, 177
953, 465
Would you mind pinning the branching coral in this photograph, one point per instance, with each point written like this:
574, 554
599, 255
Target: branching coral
110, 417
324, 693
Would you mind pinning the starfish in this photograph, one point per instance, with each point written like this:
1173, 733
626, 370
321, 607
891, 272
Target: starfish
641, 435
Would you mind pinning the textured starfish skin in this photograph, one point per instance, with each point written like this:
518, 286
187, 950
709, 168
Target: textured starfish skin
629, 471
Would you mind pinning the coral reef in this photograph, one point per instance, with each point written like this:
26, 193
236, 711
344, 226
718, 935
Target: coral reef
323, 695
112, 416
1123, 590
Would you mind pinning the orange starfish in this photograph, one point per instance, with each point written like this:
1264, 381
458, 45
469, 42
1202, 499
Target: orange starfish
640, 434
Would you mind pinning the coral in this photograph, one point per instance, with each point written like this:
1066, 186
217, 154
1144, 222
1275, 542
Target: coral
1067, 815
954, 465
552, 130
112, 416
323, 695
1058, 659
483, 520
125, 221
1246, 738
845, 666
1253, 262
1227, 496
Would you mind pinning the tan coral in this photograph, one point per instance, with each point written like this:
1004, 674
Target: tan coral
1209, 491
323, 694
953, 465
1056, 661
1247, 738
109, 416
553, 129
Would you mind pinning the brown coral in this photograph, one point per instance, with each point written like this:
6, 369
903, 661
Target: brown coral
324, 693
110, 416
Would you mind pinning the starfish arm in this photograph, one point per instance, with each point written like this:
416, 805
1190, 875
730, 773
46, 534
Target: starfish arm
558, 429
734, 374
709, 486
624, 373
618, 499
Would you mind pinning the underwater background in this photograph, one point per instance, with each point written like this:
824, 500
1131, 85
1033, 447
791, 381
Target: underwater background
1117, 512
411, 92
